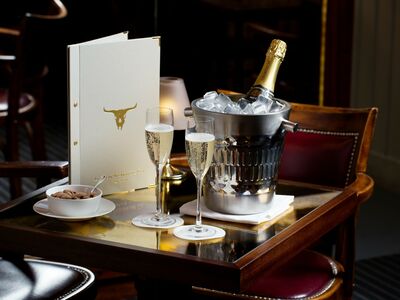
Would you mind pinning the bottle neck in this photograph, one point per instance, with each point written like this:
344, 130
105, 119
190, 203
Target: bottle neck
267, 76
265, 82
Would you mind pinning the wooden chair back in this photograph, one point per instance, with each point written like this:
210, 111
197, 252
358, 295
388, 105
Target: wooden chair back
21, 92
331, 149
330, 146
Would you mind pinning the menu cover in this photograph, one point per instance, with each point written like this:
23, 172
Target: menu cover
112, 81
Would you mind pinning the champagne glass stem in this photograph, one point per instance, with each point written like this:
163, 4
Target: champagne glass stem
199, 182
158, 191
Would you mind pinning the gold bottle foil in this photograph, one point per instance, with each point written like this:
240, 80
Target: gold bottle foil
277, 48
274, 57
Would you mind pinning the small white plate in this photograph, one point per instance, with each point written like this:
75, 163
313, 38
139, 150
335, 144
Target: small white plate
106, 206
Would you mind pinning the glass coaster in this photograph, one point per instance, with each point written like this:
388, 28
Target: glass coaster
149, 221
188, 232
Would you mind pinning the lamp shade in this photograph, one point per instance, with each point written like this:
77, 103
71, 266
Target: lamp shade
173, 94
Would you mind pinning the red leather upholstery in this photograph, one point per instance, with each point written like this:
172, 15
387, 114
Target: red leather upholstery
36, 279
319, 157
309, 274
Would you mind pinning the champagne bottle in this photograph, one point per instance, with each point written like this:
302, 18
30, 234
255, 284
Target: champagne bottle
265, 82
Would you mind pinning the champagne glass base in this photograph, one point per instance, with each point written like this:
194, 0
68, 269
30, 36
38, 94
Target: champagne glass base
191, 233
150, 221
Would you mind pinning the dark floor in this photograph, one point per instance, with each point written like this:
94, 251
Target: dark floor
377, 273
378, 225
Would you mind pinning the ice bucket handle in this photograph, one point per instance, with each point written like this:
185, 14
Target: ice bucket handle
289, 125
188, 112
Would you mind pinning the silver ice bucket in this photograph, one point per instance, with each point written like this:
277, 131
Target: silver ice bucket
243, 174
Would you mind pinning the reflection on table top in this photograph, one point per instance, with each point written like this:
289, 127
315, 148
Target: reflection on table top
117, 227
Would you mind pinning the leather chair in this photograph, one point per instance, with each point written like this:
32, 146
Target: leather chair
41, 279
330, 149
23, 68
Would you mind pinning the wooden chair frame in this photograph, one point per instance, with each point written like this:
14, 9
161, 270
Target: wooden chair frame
26, 68
361, 123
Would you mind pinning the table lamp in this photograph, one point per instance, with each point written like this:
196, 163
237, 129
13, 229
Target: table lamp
173, 94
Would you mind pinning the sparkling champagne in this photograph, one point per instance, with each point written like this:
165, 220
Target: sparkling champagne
159, 139
200, 150
265, 82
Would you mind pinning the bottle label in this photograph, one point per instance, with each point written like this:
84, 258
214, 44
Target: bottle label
257, 91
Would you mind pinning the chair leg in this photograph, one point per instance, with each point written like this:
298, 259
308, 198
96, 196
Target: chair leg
36, 134
12, 154
15, 187
345, 254
35, 127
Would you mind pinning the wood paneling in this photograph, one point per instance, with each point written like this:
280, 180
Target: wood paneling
376, 82
338, 47
393, 117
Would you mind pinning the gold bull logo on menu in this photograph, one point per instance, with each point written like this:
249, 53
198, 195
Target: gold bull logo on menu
119, 115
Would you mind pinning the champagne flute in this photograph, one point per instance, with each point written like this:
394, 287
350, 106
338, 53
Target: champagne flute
199, 145
159, 132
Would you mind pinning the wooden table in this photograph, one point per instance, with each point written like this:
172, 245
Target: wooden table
112, 242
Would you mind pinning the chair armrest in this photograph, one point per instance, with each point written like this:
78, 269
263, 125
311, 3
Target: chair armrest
54, 169
57, 10
32, 195
364, 186
9, 31
8, 40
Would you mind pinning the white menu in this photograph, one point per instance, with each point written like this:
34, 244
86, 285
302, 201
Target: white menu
112, 81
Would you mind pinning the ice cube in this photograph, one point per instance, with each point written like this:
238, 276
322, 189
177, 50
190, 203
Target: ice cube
232, 108
221, 101
242, 102
206, 103
276, 106
210, 95
248, 110
261, 105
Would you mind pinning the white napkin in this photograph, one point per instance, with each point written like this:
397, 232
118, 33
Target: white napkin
279, 204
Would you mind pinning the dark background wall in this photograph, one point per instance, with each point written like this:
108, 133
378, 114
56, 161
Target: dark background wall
210, 44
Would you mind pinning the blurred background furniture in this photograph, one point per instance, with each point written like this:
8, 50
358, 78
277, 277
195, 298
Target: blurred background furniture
330, 149
24, 49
